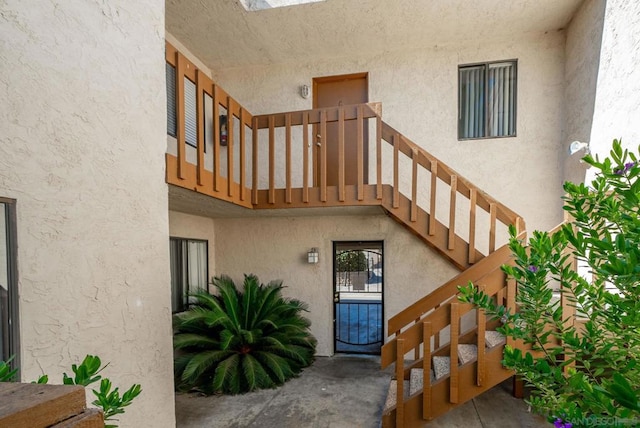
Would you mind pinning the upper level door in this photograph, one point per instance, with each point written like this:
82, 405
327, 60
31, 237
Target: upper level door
335, 91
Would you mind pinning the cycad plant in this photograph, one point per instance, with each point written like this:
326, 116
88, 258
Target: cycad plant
236, 341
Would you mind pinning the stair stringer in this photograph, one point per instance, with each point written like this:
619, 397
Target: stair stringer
439, 393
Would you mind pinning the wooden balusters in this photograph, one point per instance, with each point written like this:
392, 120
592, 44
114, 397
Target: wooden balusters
432, 199
472, 225
453, 352
414, 185
341, 165
378, 157
254, 158
272, 161
199, 128
400, 382
323, 156
481, 322
360, 153
492, 227
287, 140
427, 332
305, 157
216, 139
243, 171
452, 212
230, 165
396, 181
511, 303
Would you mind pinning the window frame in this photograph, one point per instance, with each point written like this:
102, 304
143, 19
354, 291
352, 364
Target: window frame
184, 260
11, 234
486, 65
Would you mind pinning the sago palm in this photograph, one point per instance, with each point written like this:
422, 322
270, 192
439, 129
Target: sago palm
236, 341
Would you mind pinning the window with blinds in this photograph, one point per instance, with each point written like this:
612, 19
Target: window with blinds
487, 100
190, 109
189, 270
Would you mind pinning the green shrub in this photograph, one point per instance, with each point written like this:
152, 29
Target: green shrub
109, 401
238, 341
593, 377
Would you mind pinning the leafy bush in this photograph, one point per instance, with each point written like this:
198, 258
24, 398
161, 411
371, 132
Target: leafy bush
238, 341
586, 376
85, 374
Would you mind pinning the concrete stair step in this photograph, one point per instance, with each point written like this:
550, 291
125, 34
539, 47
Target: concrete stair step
417, 380
392, 394
441, 366
467, 352
493, 338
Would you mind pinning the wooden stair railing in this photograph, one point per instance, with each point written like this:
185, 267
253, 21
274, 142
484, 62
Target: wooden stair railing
419, 332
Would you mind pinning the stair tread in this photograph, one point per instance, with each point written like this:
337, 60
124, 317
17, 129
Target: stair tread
392, 394
493, 338
441, 366
467, 352
417, 380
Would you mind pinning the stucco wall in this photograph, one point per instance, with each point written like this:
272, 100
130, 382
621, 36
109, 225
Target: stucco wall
183, 225
83, 118
584, 36
418, 90
618, 95
276, 248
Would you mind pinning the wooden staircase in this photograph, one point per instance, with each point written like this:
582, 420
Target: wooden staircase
445, 352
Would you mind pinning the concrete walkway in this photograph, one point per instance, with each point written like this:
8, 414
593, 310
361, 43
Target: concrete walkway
339, 392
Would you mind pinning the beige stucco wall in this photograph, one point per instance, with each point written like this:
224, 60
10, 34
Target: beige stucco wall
183, 225
276, 248
617, 101
584, 36
418, 90
82, 117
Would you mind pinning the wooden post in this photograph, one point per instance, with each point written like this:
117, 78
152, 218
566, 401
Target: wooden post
414, 185
216, 138
272, 160
254, 156
493, 212
287, 125
432, 204
180, 111
341, 171
452, 212
426, 371
230, 163
243, 171
453, 352
200, 128
481, 321
472, 225
305, 157
396, 180
360, 150
378, 157
323, 156
400, 382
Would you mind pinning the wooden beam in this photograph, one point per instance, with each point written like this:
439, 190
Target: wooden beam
414, 185
243, 171
272, 161
452, 212
453, 352
305, 158
287, 141
200, 84
230, 150
432, 199
427, 332
492, 228
400, 383
254, 160
216, 138
379, 157
341, 163
472, 226
323, 156
315, 115
396, 180
360, 151
481, 322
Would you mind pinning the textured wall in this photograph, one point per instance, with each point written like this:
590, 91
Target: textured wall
83, 121
276, 248
418, 90
618, 95
584, 36
183, 225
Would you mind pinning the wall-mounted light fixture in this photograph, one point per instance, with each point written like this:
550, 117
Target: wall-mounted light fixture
312, 255
223, 129
305, 91
576, 146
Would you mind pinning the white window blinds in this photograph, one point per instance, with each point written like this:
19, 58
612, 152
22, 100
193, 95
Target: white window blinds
487, 100
190, 113
171, 99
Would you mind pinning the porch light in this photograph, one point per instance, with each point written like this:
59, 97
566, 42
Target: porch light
312, 256
576, 146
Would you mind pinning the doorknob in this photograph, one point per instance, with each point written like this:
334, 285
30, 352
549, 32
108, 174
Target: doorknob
336, 298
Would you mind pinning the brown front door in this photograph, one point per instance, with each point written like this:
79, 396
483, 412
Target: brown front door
334, 91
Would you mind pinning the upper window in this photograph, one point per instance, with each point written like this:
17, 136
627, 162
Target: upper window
487, 100
189, 270
190, 109
8, 283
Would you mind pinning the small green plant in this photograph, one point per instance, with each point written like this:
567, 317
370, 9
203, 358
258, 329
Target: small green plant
6, 373
238, 341
586, 376
86, 374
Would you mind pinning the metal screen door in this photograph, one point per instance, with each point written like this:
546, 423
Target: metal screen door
358, 303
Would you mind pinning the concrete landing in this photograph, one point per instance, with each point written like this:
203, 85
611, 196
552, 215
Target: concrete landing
338, 392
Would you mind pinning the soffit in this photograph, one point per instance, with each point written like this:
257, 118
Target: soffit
223, 34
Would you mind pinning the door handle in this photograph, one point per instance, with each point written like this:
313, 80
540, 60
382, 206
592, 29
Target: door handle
319, 140
336, 297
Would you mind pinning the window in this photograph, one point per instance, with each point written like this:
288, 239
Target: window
190, 110
8, 283
487, 100
189, 270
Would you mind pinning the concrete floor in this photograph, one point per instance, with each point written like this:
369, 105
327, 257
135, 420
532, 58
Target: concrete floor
339, 392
